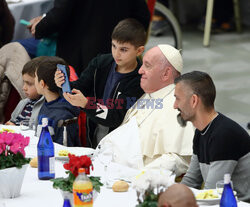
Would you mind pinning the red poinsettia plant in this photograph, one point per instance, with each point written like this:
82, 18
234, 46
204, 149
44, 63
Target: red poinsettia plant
12, 152
76, 162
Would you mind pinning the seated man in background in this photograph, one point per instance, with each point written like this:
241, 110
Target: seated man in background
220, 145
55, 108
163, 142
177, 195
7, 24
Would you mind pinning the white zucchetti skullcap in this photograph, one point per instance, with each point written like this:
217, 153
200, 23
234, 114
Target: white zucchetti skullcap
173, 56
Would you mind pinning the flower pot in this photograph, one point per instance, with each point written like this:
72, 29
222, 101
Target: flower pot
11, 180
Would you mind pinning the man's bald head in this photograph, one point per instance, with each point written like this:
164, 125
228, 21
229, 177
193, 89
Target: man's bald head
177, 195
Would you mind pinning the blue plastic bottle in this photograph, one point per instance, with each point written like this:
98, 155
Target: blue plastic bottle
66, 203
228, 198
45, 153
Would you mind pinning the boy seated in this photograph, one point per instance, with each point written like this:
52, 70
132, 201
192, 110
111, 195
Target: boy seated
55, 108
111, 82
27, 109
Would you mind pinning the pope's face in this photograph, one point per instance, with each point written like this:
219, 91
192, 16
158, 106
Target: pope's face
151, 73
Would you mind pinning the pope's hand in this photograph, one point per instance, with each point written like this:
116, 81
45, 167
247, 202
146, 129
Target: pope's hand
76, 99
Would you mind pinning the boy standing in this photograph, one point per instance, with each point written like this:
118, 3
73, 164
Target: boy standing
27, 109
111, 81
55, 108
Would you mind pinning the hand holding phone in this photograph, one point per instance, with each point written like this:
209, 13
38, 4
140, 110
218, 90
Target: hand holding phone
22, 21
66, 85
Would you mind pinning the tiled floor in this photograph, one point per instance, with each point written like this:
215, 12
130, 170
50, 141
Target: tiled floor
227, 60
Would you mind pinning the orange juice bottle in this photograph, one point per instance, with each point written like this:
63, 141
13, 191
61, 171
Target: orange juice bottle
82, 190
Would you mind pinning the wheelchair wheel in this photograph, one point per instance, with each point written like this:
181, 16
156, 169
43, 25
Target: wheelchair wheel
173, 30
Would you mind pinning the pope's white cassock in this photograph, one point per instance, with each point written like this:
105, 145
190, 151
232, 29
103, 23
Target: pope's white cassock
164, 143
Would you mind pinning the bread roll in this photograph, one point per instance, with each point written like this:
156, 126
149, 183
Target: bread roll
120, 186
33, 162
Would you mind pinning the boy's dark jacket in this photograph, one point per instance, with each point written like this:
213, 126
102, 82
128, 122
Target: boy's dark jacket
56, 111
92, 83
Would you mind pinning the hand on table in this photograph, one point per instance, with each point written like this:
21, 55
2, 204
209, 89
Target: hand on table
9, 123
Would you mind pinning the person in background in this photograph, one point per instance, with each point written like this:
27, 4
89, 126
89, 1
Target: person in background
7, 24
220, 145
164, 142
177, 195
84, 28
28, 108
159, 25
55, 108
222, 20
109, 81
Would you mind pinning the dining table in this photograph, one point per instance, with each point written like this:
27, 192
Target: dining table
41, 193
27, 9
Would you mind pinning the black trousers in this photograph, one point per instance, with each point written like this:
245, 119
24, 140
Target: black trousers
223, 10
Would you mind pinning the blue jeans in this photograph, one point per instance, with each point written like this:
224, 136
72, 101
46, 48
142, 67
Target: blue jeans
30, 44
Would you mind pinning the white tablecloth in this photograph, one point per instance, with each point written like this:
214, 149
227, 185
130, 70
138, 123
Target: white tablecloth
27, 9
41, 193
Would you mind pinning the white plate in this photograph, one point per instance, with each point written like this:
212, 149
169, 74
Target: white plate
208, 201
78, 151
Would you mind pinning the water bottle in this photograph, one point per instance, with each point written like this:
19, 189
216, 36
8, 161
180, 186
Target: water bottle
228, 198
66, 203
82, 190
45, 153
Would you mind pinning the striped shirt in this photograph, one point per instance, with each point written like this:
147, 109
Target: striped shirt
26, 112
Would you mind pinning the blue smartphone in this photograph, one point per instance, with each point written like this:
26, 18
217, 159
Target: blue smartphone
66, 85
22, 21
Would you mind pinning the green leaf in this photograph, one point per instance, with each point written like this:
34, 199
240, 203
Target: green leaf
13, 160
96, 183
66, 184
150, 200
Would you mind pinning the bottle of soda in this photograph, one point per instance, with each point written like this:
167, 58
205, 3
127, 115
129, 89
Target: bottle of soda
45, 153
82, 190
228, 198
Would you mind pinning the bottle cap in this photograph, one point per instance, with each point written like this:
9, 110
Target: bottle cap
227, 178
81, 170
44, 121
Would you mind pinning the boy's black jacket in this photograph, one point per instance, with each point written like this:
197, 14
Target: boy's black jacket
92, 83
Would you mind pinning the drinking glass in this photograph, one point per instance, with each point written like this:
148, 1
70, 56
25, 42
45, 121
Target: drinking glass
24, 125
220, 186
105, 156
27, 125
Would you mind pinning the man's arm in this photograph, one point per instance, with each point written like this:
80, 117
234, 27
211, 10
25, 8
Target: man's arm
216, 172
193, 177
55, 19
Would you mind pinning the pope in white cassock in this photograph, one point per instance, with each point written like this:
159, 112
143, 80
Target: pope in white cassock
163, 142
